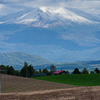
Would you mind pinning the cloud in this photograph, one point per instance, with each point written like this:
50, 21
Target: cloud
89, 6
6, 9
42, 50
61, 3
14, 1
3, 37
1, 6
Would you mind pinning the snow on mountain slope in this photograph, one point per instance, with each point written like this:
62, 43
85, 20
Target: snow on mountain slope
44, 17
64, 13
78, 12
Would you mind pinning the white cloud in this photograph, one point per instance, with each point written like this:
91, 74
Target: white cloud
12, 6
6, 9
1, 6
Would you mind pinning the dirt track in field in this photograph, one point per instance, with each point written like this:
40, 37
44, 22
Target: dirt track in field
18, 88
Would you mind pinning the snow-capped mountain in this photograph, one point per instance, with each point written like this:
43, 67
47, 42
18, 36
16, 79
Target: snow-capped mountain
58, 34
46, 16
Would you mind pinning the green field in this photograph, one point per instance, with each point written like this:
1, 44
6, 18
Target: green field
74, 79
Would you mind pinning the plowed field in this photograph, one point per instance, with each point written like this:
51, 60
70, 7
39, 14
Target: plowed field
19, 88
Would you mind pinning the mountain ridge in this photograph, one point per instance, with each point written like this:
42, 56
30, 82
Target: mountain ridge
46, 17
17, 59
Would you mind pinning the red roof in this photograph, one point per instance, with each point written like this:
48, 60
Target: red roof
59, 71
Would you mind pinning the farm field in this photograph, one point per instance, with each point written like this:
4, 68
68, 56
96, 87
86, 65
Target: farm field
10, 84
19, 88
74, 79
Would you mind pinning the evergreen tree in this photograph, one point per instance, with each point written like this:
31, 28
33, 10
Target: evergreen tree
31, 70
24, 70
11, 70
27, 71
97, 70
76, 71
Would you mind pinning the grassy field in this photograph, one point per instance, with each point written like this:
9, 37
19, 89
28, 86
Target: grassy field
74, 79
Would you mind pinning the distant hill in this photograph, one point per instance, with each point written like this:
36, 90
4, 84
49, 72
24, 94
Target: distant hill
17, 59
70, 66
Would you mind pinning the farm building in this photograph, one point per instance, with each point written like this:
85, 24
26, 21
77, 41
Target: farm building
59, 72
39, 74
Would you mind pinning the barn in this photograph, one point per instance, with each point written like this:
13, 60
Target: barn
59, 72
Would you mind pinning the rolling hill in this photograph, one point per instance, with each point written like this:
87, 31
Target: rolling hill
17, 59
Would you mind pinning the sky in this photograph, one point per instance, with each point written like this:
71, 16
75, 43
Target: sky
11, 6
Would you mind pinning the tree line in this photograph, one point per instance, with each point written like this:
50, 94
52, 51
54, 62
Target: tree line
85, 71
28, 70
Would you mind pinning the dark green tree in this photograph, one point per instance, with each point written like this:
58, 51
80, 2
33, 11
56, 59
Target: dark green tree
24, 71
92, 72
3, 69
85, 71
11, 70
40, 71
8, 69
67, 72
52, 69
27, 71
36, 71
45, 71
76, 71
97, 70
25, 64
17, 73
31, 70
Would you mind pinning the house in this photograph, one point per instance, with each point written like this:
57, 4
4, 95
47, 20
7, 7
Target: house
39, 74
59, 72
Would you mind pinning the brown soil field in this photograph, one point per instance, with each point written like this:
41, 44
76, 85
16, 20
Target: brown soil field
19, 88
